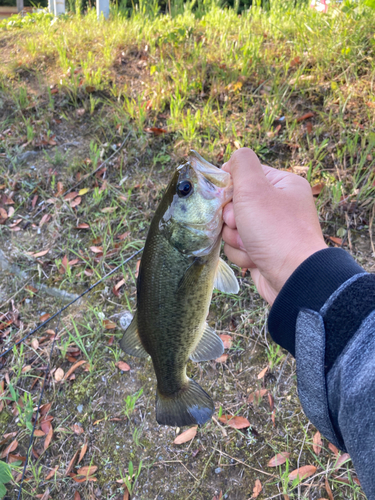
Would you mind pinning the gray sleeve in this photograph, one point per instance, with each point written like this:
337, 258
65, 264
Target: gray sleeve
340, 402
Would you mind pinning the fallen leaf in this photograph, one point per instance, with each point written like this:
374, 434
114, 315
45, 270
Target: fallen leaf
309, 127
59, 374
39, 433
71, 463
328, 489
96, 249
235, 422
257, 489
305, 116
82, 225
75, 202
108, 210
156, 130
44, 317
40, 254
3, 213
302, 472
83, 191
295, 62
345, 457
123, 236
316, 190
227, 341
121, 365
45, 495
257, 395
44, 409
126, 494
262, 373
81, 111
219, 496
335, 240
11, 211
33, 203
77, 496
12, 447
31, 289
223, 358
78, 429
279, 459
78, 479
46, 426
71, 196
186, 436
333, 448
270, 402
52, 473
87, 470
317, 443
109, 325
83, 452
48, 438
73, 368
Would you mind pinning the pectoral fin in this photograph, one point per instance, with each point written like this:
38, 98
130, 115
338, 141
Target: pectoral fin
131, 343
225, 280
209, 347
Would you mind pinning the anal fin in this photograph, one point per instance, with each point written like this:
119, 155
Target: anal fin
131, 343
209, 347
225, 280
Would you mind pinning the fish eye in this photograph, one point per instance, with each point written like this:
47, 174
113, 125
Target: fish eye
184, 189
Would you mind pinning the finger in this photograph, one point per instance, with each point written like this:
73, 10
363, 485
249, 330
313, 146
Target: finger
225, 167
247, 171
238, 257
228, 216
232, 237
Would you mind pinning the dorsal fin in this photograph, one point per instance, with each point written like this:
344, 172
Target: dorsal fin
225, 280
130, 342
209, 347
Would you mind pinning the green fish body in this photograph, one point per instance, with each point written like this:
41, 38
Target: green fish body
179, 268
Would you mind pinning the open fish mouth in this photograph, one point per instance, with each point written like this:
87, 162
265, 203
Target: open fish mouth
213, 182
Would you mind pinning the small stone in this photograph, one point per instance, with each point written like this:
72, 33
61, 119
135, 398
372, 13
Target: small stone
218, 470
80, 408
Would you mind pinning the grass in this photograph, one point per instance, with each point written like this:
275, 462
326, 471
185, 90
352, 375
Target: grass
296, 86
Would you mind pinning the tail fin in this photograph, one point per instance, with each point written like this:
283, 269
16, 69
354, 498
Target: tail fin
190, 405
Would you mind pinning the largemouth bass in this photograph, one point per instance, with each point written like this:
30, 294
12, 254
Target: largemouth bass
179, 268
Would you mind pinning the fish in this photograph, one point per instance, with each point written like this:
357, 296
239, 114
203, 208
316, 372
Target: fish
179, 268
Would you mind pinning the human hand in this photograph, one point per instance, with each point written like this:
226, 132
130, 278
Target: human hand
271, 226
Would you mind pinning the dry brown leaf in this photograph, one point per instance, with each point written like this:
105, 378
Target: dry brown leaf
44, 317
3, 213
333, 448
26, 368
83, 452
223, 358
345, 457
109, 325
186, 436
121, 365
96, 249
73, 368
40, 254
71, 463
156, 130
52, 473
45, 495
39, 433
12, 447
262, 373
108, 210
302, 472
235, 422
328, 489
305, 116
218, 497
317, 189
87, 470
44, 409
82, 225
126, 494
257, 395
317, 443
48, 438
279, 459
46, 426
71, 196
78, 429
227, 341
74, 203
257, 489
35, 344
59, 374
80, 111
77, 496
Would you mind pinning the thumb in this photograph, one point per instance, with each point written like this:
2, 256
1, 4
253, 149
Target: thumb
247, 174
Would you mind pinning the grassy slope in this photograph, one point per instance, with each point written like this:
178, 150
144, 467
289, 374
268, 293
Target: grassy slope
70, 92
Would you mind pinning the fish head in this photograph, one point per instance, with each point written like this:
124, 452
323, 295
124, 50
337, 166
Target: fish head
194, 216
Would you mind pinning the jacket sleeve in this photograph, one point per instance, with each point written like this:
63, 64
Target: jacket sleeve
325, 316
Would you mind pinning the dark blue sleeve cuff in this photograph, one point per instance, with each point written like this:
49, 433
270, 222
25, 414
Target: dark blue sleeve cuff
309, 287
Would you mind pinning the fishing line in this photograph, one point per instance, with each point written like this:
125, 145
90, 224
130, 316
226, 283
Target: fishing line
70, 303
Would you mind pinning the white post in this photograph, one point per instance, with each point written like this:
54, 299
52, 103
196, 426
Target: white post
51, 6
19, 5
59, 7
102, 7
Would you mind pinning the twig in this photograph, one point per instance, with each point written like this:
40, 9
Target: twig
202, 475
243, 463
70, 303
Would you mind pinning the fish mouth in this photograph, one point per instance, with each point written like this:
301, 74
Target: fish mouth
214, 182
